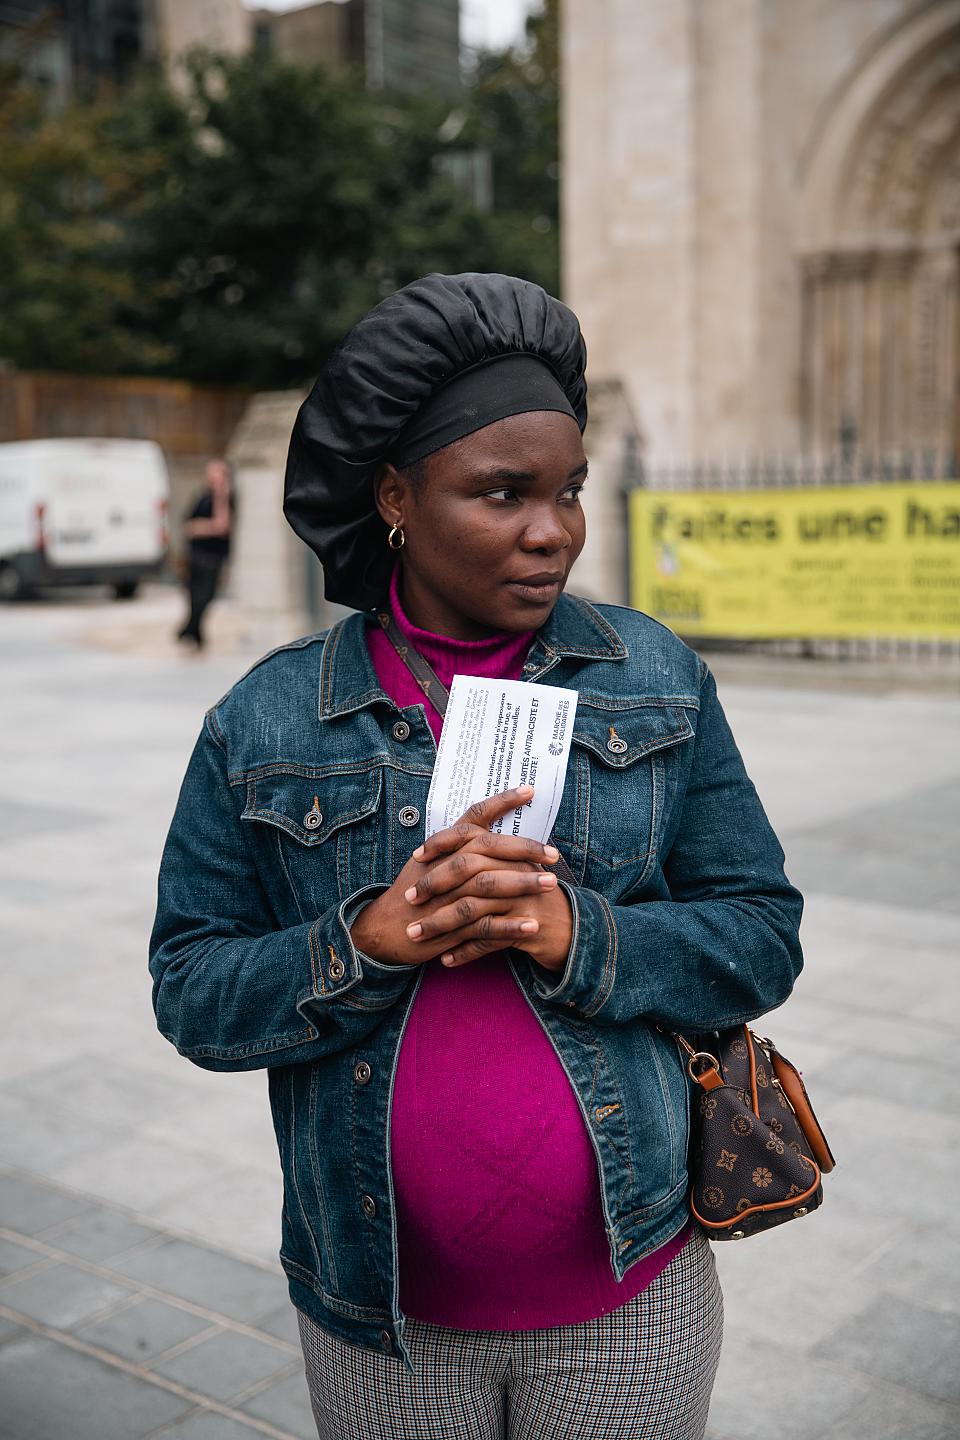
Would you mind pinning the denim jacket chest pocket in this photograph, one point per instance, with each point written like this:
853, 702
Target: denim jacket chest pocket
623, 774
314, 830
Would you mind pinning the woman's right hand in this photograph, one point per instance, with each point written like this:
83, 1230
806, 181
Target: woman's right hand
482, 874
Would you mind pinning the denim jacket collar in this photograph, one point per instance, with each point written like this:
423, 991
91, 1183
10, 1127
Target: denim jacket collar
348, 681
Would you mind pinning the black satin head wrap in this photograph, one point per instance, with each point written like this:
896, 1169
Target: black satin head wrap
508, 385
361, 410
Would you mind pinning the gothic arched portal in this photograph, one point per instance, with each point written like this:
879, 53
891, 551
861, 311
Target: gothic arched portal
881, 262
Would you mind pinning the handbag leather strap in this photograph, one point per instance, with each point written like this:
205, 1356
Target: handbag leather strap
421, 669
438, 695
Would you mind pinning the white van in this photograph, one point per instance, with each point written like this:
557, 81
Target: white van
81, 512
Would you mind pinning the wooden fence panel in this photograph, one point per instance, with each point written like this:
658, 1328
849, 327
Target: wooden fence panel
185, 419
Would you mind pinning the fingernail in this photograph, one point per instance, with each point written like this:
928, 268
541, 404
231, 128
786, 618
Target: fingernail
447, 959
546, 882
524, 789
414, 931
410, 894
529, 926
418, 853
551, 852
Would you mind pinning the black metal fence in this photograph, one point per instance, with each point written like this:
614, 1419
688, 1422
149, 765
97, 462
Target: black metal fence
790, 472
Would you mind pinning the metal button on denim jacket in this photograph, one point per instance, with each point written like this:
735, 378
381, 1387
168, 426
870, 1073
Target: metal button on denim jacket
298, 806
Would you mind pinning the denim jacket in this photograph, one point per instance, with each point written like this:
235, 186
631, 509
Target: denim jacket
303, 799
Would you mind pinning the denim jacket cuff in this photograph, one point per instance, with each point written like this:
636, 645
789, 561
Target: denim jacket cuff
351, 909
337, 965
589, 973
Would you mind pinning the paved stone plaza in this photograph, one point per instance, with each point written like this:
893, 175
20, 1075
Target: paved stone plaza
140, 1197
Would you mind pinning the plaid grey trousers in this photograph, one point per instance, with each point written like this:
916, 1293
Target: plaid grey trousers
643, 1372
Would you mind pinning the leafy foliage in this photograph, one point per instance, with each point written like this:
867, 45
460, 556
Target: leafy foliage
230, 227
514, 114
64, 297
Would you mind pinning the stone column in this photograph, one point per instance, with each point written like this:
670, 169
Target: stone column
272, 571
629, 202
726, 256
664, 172
613, 445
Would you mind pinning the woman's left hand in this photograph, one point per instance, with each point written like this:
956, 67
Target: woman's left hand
549, 945
446, 896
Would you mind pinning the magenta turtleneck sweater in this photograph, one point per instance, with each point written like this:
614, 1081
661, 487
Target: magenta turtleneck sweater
500, 1222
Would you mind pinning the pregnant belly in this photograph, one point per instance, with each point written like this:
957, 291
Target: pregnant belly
493, 1168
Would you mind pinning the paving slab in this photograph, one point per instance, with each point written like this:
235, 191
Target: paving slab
208, 1426
282, 1324
53, 1393
903, 1341
227, 1364
131, 1172
898, 1415
22, 820
37, 1140
143, 1331
925, 1264
207, 1277
29, 1206
243, 1202
895, 1082
818, 1272
99, 1234
9, 1330
14, 1257
61, 1295
114, 1092
286, 1403
763, 1380
867, 853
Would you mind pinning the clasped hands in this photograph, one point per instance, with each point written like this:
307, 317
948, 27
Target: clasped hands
466, 892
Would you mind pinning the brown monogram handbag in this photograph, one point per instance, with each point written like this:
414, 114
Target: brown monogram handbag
758, 1151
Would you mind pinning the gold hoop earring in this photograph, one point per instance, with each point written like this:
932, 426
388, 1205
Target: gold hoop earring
396, 539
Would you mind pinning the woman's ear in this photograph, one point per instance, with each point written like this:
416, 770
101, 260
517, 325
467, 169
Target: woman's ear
390, 493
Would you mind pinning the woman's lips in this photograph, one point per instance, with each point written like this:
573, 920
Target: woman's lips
538, 588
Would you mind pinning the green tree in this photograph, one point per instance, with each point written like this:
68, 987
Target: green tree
232, 226
63, 295
258, 244
513, 113
293, 202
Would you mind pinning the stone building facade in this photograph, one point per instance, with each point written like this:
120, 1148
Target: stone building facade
761, 219
217, 24
395, 44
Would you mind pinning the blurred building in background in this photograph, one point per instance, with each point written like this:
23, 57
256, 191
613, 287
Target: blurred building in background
326, 33
762, 219
222, 25
75, 45
70, 45
397, 44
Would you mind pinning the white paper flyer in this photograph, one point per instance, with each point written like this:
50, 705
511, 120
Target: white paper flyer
498, 734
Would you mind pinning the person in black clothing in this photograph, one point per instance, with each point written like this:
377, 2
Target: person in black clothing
207, 529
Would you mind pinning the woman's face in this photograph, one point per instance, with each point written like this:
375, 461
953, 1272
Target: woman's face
492, 525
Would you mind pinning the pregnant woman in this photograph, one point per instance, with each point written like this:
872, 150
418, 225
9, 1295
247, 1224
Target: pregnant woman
481, 1114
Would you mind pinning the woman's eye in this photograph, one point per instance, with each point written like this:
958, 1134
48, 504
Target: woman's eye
508, 494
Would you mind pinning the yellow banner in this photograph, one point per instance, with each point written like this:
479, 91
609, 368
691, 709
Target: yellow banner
820, 563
